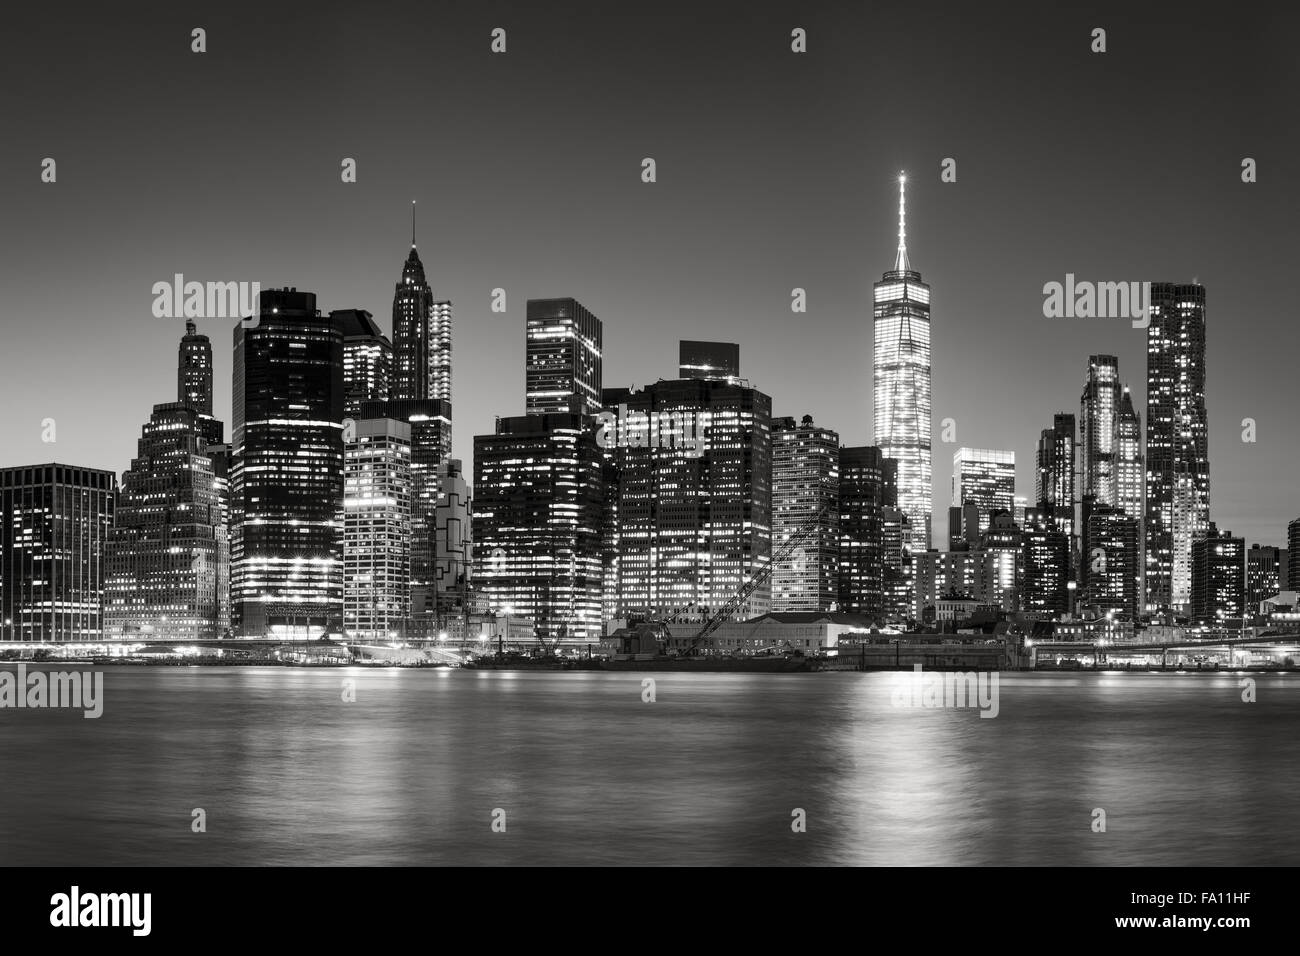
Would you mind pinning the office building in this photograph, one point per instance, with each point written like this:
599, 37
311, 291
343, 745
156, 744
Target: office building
55, 522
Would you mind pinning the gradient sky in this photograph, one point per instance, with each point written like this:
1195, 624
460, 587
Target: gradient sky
775, 170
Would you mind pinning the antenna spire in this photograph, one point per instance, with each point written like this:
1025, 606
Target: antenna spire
900, 261
412, 223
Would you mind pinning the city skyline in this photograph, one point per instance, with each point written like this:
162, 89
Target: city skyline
731, 199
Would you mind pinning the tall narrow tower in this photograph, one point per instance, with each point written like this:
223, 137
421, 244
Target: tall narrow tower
421, 334
194, 370
902, 382
1178, 464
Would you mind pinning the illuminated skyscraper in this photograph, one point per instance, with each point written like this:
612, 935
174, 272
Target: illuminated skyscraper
902, 383
367, 360
1218, 578
1130, 473
430, 422
421, 334
563, 355
1054, 483
1098, 410
1112, 564
1177, 459
538, 501
287, 471
377, 530
194, 370
168, 555
868, 488
55, 522
694, 494
805, 484
985, 478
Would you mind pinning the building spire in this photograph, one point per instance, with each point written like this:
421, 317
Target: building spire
412, 223
900, 261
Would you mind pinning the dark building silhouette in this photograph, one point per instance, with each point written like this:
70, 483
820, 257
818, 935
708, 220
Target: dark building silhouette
715, 360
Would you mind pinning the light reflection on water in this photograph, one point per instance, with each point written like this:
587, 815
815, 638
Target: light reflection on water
708, 774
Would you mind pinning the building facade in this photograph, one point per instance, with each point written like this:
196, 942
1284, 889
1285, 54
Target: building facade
694, 516
377, 530
367, 360
1177, 458
985, 478
286, 485
1218, 578
538, 503
805, 490
563, 352
55, 522
867, 487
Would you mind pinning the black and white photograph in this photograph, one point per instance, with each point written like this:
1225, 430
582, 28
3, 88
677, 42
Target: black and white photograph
675, 435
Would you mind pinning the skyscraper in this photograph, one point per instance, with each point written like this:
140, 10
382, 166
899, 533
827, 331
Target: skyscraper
167, 562
1098, 408
430, 423
901, 364
367, 360
1113, 561
985, 478
1265, 575
1218, 577
694, 497
1044, 566
1177, 459
1293, 555
287, 471
867, 487
377, 530
1130, 472
563, 355
55, 522
1054, 482
538, 501
453, 549
421, 334
194, 370
805, 488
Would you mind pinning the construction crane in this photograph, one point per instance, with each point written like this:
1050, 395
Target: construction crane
738, 600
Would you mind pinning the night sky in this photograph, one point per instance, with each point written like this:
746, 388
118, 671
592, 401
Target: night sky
775, 170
